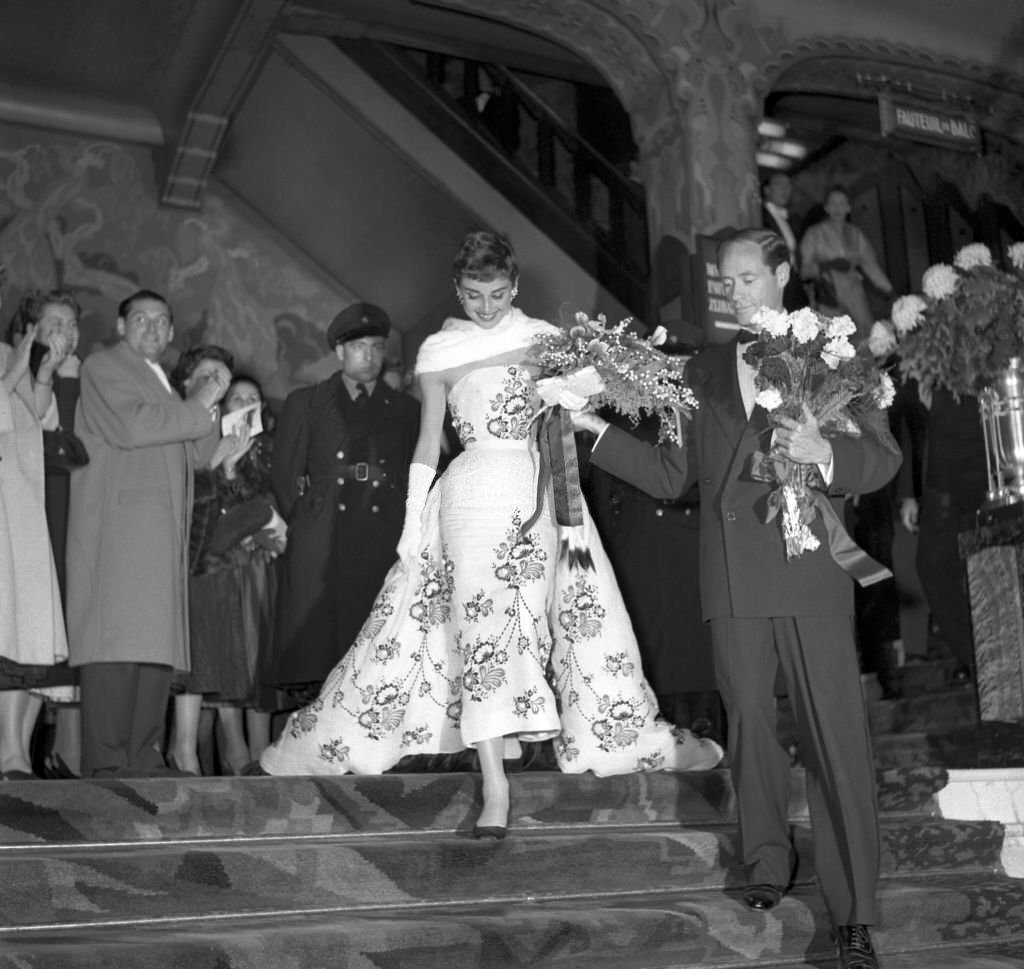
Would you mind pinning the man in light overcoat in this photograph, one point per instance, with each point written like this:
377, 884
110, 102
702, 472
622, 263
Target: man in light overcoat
128, 539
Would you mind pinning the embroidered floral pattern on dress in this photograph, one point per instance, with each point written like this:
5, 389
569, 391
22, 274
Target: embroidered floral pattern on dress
484, 669
513, 407
463, 428
620, 726
490, 633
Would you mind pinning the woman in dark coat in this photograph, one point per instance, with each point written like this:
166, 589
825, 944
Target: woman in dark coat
236, 534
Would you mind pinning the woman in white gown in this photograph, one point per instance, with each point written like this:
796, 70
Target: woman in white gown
483, 633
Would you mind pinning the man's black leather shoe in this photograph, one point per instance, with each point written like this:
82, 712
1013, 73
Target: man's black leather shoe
762, 898
854, 948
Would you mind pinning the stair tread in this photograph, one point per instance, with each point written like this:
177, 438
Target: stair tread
83, 811
693, 929
55, 885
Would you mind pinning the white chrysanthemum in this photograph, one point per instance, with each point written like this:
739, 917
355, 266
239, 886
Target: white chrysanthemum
976, 254
773, 322
804, 323
1016, 255
907, 312
881, 339
836, 350
939, 281
885, 394
840, 326
769, 398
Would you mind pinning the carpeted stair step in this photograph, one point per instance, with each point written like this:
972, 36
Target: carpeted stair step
86, 885
932, 712
928, 676
981, 746
70, 812
930, 919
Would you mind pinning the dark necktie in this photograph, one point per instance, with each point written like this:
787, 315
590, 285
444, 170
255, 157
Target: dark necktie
361, 396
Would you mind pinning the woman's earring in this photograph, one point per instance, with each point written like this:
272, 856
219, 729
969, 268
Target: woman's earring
515, 293
460, 297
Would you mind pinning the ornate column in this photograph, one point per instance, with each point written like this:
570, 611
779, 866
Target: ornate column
717, 62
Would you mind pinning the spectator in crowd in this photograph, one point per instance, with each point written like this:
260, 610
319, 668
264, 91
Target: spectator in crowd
341, 461
32, 635
836, 258
236, 533
776, 193
954, 483
56, 313
128, 537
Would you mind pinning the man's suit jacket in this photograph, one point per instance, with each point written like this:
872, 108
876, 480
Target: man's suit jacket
794, 296
130, 511
744, 572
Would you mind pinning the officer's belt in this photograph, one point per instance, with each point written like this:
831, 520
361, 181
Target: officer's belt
362, 471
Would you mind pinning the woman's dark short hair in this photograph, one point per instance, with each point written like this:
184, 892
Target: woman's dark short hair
125, 306
773, 247
191, 359
485, 256
838, 189
245, 378
30, 309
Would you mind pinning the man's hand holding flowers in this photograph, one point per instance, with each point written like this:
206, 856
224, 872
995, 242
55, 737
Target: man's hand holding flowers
801, 440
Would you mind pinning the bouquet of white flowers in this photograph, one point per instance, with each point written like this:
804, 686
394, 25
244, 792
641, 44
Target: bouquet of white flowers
806, 360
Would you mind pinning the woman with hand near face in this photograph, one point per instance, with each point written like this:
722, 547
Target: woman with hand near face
32, 634
229, 582
485, 634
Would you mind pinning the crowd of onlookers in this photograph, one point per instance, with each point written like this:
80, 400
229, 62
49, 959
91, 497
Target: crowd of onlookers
139, 533
141, 514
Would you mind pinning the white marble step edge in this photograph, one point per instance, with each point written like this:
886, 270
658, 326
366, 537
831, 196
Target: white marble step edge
990, 795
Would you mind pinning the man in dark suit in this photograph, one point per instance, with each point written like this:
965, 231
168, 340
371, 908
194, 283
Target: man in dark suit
767, 613
341, 460
777, 192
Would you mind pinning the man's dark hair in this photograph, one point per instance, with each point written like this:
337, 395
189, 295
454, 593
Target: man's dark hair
125, 306
773, 247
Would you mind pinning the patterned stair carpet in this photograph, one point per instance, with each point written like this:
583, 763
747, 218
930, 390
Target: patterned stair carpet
632, 872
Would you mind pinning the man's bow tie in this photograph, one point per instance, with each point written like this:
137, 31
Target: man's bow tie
746, 336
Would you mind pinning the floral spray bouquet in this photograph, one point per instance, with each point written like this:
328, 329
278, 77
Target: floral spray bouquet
805, 362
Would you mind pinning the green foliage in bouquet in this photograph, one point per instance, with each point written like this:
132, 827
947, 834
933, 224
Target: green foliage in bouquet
638, 379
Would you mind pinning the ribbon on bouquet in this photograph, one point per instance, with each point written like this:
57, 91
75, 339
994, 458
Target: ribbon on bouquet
846, 553
559, 465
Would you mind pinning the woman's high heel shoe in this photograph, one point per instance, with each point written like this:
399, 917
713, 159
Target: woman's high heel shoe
495, 831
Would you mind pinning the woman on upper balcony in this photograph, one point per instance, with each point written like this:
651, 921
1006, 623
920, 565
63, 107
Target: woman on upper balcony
835, 259
485, 633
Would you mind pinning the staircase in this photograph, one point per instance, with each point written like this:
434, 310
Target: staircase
634, 872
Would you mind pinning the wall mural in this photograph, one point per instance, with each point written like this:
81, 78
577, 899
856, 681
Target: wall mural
84, 215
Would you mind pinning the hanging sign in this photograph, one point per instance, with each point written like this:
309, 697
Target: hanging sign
716, 308
905, 120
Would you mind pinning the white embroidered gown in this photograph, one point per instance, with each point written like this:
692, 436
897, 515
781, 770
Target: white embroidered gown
494, 634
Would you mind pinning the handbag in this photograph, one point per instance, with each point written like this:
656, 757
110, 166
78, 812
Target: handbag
63, 451
239, 522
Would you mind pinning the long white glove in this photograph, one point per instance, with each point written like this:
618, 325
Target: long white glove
421, 476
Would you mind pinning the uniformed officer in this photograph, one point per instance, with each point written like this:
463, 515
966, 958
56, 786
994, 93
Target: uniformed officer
341, 460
